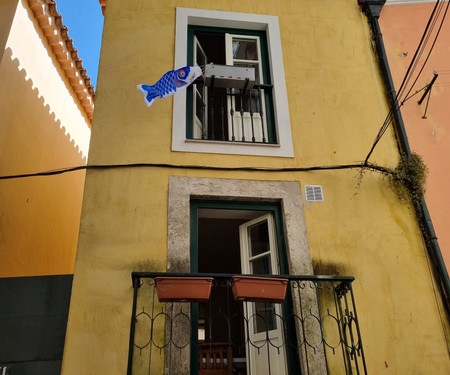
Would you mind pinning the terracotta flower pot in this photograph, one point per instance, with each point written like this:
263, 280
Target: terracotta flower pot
183, 289
259, 289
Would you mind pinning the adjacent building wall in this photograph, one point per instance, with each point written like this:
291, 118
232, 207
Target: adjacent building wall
7, 10
403, 26
42, 127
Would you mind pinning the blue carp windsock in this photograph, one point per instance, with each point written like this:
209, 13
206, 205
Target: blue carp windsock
170, 83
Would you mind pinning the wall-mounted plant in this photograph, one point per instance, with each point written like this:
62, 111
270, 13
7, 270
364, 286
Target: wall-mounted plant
409, 179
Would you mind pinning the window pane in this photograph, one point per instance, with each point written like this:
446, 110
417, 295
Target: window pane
265, 317
201, 58
245, 49
199, 106
258, 237
261, 266
250, 101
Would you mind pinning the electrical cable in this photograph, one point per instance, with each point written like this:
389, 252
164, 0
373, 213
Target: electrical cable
418, 91
395, 106
197, 167
432, 46
420, 48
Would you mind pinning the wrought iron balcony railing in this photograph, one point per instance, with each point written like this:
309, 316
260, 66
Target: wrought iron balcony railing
314, 331
232, 114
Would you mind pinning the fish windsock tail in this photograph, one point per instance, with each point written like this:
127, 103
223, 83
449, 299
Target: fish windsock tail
149, 94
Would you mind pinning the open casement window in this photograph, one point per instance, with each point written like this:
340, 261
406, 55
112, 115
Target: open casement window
200, 94
259, 255
246, 107
228, 111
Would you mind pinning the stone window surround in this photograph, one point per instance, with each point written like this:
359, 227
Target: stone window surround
287, 193
202, 17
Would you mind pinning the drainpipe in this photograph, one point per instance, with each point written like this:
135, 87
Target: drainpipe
371, 9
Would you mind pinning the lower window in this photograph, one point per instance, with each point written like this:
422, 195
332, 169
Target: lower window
240, 238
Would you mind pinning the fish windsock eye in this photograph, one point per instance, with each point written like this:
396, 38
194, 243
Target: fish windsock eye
183, 72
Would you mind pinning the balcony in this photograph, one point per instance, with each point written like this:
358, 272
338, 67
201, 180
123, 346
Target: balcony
314, 330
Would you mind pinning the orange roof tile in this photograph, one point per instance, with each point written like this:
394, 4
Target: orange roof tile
103, 4
50, 22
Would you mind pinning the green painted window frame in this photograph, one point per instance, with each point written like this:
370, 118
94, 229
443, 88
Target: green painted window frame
270, 117
274, 208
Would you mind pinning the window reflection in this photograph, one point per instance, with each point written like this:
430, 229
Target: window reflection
245, 49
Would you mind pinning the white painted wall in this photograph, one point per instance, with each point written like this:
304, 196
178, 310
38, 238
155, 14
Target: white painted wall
30, 47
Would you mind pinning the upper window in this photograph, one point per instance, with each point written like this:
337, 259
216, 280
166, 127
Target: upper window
241, 106
234, 101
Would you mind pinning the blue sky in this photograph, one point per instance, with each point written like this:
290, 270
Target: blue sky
85, 22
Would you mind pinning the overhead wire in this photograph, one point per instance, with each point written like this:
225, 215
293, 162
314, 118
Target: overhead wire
198, 167
417, 92
433, 44
421, 47
396, 104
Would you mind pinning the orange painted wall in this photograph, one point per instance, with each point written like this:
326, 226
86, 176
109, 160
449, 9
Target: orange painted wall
402, 27
39, 216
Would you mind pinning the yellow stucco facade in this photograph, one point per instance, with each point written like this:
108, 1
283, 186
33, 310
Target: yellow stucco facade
42, 127
336, 106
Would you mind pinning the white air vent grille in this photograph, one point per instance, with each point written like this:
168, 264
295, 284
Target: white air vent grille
314, 193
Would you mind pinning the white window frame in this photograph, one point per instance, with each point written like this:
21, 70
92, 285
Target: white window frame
260, 123
202, 17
